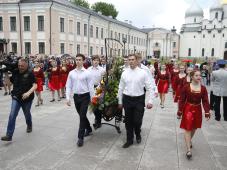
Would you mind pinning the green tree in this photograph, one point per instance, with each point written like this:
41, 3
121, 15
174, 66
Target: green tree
106, 9
82, 3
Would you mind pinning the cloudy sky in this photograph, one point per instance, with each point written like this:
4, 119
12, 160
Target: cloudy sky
158, 13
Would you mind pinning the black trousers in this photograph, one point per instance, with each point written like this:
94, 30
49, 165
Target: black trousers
98, 116
211, 100
81, 104
134, 111
217, 103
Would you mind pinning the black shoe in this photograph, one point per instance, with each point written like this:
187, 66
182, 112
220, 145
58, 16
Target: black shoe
127, 144
189, 155
80, 142
6, 138
88, 132
5, 93
52, 100
225, 119
97, 125
138, 139
29, 129
218, 119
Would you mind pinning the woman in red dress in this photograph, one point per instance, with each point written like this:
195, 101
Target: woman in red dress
174, 74
179, 82
192, 96
39, 75
163, 84
54, 80
187, 79
63, 77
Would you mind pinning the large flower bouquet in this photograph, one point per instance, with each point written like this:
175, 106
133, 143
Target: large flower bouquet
106, 93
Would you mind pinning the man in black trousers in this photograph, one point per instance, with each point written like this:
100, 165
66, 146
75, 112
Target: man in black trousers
131, 98
80, 84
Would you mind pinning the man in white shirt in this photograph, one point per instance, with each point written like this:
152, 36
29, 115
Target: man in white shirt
80, 84
131, 98
97, 72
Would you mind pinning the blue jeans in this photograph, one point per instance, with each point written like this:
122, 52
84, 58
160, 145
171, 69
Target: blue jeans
15, 108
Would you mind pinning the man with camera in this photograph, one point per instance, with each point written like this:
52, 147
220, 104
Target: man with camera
24, 85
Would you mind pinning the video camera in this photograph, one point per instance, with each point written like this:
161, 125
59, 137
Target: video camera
9, 63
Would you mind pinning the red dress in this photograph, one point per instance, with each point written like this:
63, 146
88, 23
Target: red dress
163, 82
70, 67
39, 75
63, 77
190, 107
185, 81
54, 81
173, 80
180, 85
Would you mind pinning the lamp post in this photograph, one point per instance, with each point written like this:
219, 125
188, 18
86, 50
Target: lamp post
124, 42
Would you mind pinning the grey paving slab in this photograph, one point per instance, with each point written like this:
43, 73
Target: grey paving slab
52, 144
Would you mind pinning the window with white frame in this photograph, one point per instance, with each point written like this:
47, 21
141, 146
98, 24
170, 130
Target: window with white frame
41, 48
97, 32
14, 47
41, 23
85, 30
62, 24
1, 24
26, 23
62, 48
102, 33
13, 23
27, 46
91, 31
78, 28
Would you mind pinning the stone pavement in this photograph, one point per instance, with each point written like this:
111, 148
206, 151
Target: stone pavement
52, 144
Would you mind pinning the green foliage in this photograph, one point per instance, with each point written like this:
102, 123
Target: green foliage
82, 3
106, 9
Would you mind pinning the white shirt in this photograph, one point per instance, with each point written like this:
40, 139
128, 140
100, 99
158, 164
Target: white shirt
132, 83
96, 73
79, 82
155, 89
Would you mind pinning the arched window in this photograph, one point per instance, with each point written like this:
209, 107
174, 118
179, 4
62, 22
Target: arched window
203, 51
189, 52
216, 15
194, 19
212, 52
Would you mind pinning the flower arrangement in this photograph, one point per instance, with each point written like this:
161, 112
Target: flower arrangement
106, 92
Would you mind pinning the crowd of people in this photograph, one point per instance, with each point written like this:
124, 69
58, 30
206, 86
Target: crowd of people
78, 78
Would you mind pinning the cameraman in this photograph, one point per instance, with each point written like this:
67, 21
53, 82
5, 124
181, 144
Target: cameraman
24, 85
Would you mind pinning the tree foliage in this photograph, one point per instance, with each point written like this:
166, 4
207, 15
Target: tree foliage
82, 3
106, 9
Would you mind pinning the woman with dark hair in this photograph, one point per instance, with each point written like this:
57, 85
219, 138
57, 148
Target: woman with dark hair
190, 109
63, 77
174, 73
39, 75
163, 84
54, 80
179, 83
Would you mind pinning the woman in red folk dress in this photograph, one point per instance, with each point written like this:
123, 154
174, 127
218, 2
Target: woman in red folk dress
174, 74
54, 80
192, 96
163, 84
187, 79
39, 75
179, 83
63, 78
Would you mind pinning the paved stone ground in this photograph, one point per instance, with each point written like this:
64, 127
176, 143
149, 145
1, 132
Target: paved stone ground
52, 144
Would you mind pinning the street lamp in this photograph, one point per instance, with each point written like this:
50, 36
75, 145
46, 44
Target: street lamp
124, 41
134, 49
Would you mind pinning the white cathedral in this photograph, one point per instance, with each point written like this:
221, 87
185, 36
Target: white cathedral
200, 37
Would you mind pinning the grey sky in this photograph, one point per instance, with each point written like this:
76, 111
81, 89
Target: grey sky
158, 13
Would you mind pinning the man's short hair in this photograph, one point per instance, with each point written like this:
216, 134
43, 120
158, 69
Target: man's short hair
130, 55
221, 65
94, 57
80, 55
23, 60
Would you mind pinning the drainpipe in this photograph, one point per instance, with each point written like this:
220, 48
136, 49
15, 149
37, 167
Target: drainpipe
88, 37
20, 27
50, 26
